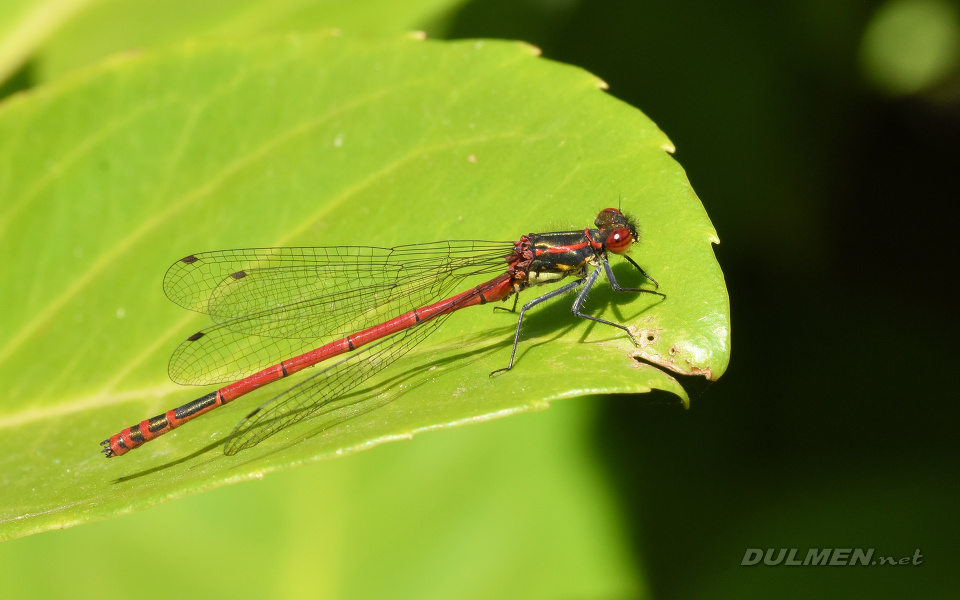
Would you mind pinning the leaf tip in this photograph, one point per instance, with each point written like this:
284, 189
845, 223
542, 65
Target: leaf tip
533, 50
668, 147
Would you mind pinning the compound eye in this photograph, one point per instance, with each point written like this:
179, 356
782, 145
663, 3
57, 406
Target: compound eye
607, 216
618, 241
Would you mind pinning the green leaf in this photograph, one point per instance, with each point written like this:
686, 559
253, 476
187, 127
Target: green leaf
518, 508
63, 35
25, 24
108, 177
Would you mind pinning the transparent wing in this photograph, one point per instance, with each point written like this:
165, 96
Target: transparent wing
300, 298
330, 384
230, 284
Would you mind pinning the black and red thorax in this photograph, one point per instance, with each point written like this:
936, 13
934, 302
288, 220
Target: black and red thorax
540, 258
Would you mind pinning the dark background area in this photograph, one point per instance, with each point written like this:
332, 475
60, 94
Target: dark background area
835, 203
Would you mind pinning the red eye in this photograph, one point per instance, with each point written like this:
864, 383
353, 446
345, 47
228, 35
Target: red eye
618, 241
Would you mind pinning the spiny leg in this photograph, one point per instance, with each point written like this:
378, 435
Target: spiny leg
516, 338
510, 310
616, 285
582, 297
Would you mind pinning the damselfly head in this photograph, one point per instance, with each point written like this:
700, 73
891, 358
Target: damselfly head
617, 229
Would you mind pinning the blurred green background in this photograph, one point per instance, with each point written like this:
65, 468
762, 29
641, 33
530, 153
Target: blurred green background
823, 139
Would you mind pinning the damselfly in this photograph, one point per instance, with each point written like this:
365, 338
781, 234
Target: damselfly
280, 310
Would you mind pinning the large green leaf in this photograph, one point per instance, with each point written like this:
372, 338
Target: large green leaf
25, 24
62, 35
108, 177
517, 508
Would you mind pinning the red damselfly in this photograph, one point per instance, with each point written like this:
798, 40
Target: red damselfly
280, 310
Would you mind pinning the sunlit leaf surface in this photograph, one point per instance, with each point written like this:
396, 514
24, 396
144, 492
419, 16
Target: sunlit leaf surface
108, 177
